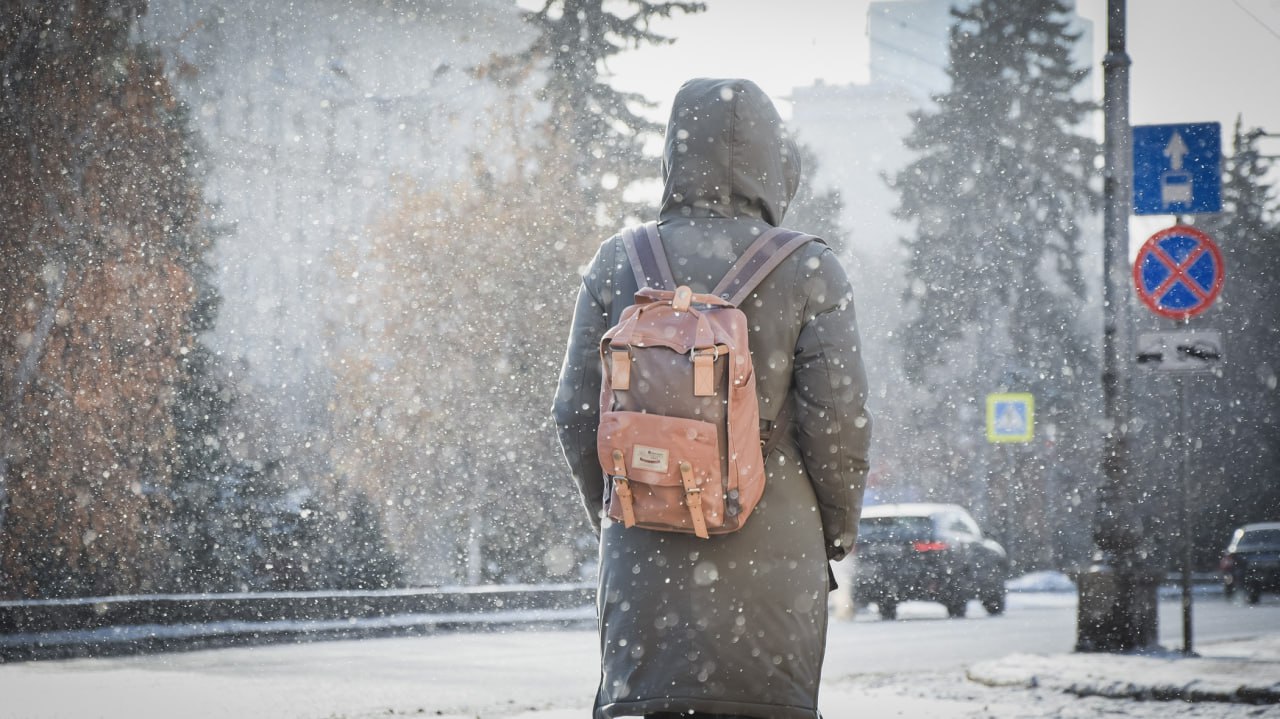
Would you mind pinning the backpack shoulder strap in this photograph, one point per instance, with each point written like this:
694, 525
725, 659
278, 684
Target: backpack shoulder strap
767, 252
648, 257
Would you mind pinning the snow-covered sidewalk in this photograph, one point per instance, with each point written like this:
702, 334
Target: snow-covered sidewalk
1242, 671
1227, 680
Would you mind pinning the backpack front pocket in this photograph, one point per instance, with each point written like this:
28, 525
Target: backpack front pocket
664, 472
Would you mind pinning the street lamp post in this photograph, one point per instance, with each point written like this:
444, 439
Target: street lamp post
1117, 605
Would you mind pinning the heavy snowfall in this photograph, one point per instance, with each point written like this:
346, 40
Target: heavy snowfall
284, 293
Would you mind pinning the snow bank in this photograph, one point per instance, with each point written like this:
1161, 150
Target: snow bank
1243, 671
1041, 582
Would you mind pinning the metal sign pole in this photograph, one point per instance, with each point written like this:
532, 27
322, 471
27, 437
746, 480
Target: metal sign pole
1184, 471
1117, 607
1183, 352
1185, 462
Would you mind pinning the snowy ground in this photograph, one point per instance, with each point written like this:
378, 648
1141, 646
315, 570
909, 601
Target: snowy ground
551, 674
537, 675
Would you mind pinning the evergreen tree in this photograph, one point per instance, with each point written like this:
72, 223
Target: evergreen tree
1235, 480
995, 286
201, 453
203, 402
606, 134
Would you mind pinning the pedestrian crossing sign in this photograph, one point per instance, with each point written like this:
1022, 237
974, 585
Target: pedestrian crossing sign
1010, 417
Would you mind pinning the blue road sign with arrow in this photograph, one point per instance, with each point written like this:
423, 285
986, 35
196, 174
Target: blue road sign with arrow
1177, 169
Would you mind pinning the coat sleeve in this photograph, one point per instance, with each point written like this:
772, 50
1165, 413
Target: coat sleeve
833, 428
576, 409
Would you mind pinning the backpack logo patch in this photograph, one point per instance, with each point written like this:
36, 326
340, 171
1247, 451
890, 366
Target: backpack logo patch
650, 458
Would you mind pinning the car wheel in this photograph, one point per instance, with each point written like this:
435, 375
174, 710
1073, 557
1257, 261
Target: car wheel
1253, 593
888, 609
956, 607
994, 602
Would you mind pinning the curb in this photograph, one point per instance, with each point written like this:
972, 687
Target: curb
1189, 693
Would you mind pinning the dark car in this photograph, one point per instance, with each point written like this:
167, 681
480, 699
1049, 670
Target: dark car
1252, 560
927, 552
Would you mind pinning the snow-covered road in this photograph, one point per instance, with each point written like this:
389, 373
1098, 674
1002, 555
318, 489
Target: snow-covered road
893, 668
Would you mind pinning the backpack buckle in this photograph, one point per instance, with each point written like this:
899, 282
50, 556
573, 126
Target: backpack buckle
695, 353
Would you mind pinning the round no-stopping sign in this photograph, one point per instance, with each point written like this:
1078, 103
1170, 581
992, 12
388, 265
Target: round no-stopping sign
1178, 272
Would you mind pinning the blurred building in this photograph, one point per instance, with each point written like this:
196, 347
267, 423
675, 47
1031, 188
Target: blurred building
310, 114
857, 129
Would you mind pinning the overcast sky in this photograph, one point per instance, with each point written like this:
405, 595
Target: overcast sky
1193, 60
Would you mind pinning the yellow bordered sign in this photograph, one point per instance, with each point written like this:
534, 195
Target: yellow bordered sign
1011, 417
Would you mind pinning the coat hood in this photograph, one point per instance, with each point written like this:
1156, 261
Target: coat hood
727, 153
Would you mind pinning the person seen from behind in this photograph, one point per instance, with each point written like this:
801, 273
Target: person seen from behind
733, 624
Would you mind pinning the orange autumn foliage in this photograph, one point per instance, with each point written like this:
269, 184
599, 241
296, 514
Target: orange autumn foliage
97, 240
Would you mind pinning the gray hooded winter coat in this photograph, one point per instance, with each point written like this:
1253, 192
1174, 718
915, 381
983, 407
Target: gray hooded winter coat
735, 624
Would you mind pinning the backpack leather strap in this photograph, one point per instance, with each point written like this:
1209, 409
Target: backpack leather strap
762, 257
648, 257
767, 252
693, 500
622, 489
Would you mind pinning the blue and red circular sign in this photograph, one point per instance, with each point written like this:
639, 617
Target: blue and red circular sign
1178, 272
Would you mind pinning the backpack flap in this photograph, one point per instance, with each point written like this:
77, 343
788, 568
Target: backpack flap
658, 323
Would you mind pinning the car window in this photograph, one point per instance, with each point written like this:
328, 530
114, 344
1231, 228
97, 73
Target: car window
894, 529
957, 525
1259, 539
